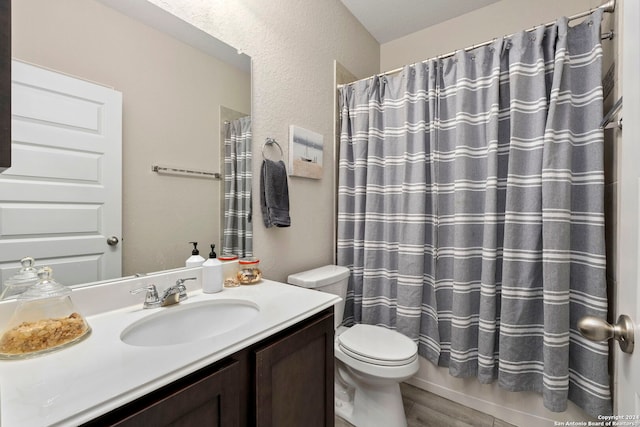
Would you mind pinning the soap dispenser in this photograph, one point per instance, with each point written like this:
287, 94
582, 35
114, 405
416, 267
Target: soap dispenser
212, 273
195, 260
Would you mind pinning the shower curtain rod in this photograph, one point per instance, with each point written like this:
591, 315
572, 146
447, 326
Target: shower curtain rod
608, 7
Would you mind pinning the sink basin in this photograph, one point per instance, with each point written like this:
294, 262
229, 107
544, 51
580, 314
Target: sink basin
189, 322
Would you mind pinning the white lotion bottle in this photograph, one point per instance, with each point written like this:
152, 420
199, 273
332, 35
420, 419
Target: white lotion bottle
212, 274
195, 260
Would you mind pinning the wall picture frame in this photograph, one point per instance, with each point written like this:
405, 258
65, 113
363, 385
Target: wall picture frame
305, 153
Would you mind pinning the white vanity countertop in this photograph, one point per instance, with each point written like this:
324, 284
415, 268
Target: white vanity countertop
101, 373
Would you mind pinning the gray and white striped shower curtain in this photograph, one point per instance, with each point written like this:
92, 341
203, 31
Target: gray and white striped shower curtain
238, 229
470, 210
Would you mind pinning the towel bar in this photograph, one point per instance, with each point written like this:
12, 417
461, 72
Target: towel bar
170, 170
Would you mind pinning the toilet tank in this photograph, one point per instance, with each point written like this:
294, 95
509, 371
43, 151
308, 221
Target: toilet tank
332, 279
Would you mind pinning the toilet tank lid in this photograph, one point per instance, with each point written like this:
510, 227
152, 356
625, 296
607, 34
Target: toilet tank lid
318, 277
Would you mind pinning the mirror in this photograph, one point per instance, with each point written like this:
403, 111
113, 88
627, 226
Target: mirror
178, 84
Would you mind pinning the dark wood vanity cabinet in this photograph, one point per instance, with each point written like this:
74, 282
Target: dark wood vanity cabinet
284, 380
207, 399
5, 84
294, 377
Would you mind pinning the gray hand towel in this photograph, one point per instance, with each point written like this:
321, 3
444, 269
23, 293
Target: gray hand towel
274, 194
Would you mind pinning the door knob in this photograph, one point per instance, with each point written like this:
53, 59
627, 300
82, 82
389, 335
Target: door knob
597, 329
112, 241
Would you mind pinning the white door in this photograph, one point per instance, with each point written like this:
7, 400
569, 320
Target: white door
627, 376
61, 199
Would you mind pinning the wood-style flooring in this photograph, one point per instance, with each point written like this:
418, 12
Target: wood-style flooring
424, 409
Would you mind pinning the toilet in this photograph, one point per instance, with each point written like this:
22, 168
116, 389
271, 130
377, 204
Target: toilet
371, 361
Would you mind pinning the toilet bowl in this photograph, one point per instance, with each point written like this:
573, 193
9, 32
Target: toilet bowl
371, 361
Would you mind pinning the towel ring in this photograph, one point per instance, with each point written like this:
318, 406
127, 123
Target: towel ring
271, 141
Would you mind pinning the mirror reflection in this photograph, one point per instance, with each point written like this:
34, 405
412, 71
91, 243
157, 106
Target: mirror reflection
178, 86
237, 228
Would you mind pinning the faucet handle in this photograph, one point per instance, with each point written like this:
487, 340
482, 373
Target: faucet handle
151, 297
182, 288
181, 281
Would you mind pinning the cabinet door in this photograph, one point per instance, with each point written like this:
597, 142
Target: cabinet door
212, 400
294, 377
5, 84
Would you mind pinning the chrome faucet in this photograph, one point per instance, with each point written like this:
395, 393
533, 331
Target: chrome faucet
172, 295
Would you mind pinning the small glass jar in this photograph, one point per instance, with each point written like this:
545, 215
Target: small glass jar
249, 273
45, 320
229, 270
22, 280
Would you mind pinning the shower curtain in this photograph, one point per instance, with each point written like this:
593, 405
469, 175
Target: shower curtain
470, 210
238, 229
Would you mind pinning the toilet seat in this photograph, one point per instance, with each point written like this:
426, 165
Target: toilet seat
377, 345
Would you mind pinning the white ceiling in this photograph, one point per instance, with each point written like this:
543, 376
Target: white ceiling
388, 20
162, 20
